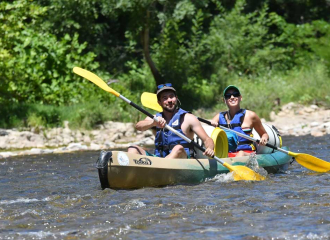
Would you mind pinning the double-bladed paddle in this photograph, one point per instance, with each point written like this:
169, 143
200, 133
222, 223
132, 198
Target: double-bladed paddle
308, 161
240, 172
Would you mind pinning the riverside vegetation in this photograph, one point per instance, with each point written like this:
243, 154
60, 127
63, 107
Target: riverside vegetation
276, 53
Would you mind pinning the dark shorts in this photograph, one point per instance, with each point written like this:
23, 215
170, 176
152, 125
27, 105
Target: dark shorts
150, 154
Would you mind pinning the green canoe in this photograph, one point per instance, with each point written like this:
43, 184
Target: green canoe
122, 170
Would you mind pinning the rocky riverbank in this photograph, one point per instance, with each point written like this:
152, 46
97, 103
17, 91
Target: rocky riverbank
111, 135
298, 120
293, 119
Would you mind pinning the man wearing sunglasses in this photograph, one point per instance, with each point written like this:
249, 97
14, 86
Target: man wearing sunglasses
240, 120
167, 143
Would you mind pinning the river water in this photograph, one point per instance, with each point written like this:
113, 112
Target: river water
59, 197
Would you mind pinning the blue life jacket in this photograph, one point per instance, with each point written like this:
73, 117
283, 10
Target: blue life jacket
166, 140
235, 124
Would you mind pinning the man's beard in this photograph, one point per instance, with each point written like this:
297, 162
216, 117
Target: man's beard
170, 110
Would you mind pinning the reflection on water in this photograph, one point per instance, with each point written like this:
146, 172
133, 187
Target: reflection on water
59, 197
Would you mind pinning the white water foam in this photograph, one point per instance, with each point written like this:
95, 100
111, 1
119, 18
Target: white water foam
252, 163
225, 177
134, 204
23, 200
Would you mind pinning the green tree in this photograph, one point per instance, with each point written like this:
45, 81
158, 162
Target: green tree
35, 65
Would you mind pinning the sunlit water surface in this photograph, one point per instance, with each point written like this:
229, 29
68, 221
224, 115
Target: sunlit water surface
59, 197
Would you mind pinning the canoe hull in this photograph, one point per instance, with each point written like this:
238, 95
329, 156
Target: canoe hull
122, 170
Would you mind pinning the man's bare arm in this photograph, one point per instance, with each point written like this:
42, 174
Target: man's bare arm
197, 128
148, 123
145, 124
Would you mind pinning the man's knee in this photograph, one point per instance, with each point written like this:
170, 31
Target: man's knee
178, 149
134, 149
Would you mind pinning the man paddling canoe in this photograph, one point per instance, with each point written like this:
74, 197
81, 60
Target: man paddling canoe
240, 120
168, 144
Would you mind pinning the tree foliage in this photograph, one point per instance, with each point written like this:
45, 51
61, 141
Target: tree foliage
36, 65
199, 46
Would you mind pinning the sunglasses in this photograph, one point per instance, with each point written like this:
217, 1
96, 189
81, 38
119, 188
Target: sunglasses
164, 85
235, 94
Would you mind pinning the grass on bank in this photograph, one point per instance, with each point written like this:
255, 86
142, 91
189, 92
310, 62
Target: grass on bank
262, 94
305, 86
81, 116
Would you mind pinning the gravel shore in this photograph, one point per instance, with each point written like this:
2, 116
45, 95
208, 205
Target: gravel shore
293, 119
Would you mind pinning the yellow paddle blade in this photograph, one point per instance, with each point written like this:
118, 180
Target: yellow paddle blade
95, 79
150, 100
244, 173
311, 162
220, 140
